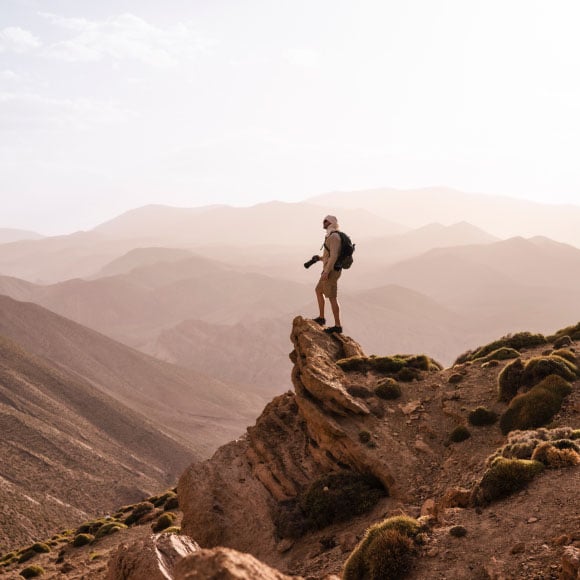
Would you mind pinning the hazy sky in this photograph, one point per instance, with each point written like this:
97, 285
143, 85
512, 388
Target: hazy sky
110, 105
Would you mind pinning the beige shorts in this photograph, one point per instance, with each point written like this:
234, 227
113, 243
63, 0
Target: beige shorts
330, 287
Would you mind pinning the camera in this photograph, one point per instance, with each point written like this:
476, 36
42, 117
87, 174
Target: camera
312, 260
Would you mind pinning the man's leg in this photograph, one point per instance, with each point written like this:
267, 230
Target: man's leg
335, 310
320, 298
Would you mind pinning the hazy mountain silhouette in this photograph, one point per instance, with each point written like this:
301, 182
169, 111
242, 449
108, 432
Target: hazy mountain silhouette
186, 404
67, 449
266, 223
61, 257
502, 216
140, 257
8, 235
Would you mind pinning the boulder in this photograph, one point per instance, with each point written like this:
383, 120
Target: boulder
153, 558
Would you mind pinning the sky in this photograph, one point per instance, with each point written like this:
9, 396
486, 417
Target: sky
111, 105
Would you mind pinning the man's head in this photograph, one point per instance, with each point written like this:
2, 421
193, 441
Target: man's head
329, 220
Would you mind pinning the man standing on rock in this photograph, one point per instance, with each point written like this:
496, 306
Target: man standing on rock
327, 286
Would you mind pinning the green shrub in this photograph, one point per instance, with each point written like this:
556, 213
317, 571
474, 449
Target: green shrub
455, 378
359, 391
521, 444
408, 374
172, 530
162, 499
390, 364
82, 540
164, 521
91, 527
388, 389
503, 353
385, 552
109, 528
138, 512
540, 367
575, 434
536, 407
567, 354
364, 436
519, 341
32, 572
26, 555
482, 416
506, 476
339, 497
40, 548
510, 380
572, 332
172, 503
459, 434
458, 531
556, 457
8, 556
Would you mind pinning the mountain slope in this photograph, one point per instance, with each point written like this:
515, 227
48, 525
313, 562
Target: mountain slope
186, 403
67, 449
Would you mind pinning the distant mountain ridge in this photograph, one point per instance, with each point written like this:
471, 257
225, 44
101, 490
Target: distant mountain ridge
500, 215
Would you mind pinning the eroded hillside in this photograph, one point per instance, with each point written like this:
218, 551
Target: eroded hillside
467, 472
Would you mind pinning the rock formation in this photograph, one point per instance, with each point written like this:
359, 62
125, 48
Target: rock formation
153, 558
231, 500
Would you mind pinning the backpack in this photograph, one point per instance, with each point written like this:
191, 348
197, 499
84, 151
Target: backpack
345, 259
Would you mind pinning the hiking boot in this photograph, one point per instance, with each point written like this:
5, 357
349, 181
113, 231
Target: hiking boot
332, 329
320, 320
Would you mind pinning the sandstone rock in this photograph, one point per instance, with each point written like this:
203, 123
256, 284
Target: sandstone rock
518, 548
284, 546
428, 507
347, 542
420, 445
153, 558
570, 564
410, 407
457, 497
225, 564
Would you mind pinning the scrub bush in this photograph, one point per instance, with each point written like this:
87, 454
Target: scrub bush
385, 551
482, 416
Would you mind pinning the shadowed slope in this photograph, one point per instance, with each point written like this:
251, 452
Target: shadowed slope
186, 403
67, 449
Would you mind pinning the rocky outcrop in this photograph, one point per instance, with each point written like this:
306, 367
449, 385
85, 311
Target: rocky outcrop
153, 558
226, 564
231, 500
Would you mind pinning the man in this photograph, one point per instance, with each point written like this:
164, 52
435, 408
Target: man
327, 286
